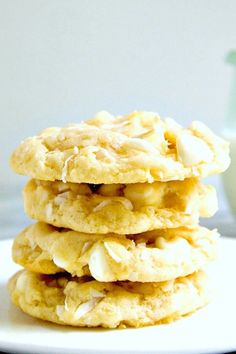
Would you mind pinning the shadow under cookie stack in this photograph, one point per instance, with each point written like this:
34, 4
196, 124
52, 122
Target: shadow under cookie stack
117, 202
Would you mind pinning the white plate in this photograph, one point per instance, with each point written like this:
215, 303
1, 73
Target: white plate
210, 330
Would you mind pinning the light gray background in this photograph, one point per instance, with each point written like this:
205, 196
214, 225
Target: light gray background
63, 60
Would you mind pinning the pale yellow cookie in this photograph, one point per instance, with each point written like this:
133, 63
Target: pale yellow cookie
117, 208
136, 148
148, 257
72, 301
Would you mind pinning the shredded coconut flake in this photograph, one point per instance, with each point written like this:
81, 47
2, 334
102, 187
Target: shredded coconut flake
62, 187
91, 149
104, 154
21, 282
189, 208
32, 243
85, 308
48, 211
125, 202
59, 311
60, 198
64, 170
85, 247
112, 253
141, 144
98, 266
97, 294
66, 306
76, 150
101, 205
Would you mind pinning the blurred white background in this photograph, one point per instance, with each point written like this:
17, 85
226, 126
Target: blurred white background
63, 60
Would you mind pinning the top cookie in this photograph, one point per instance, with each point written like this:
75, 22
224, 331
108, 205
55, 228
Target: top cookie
136, 148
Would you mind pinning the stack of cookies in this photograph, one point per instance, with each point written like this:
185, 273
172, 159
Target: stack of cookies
117, 202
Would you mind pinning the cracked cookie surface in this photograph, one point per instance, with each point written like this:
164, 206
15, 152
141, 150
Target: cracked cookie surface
137, 148
153, 256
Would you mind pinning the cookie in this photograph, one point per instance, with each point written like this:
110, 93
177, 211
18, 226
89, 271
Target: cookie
88, 303
148, 257
119, 208
136, 148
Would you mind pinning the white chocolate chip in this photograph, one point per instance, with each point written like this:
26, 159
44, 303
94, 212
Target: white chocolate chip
177, 243
160, 242
145, 255
192, 150
110, 190
141, 245
59, 262
143, 194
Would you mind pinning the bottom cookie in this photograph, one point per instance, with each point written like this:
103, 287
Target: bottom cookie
88, 303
